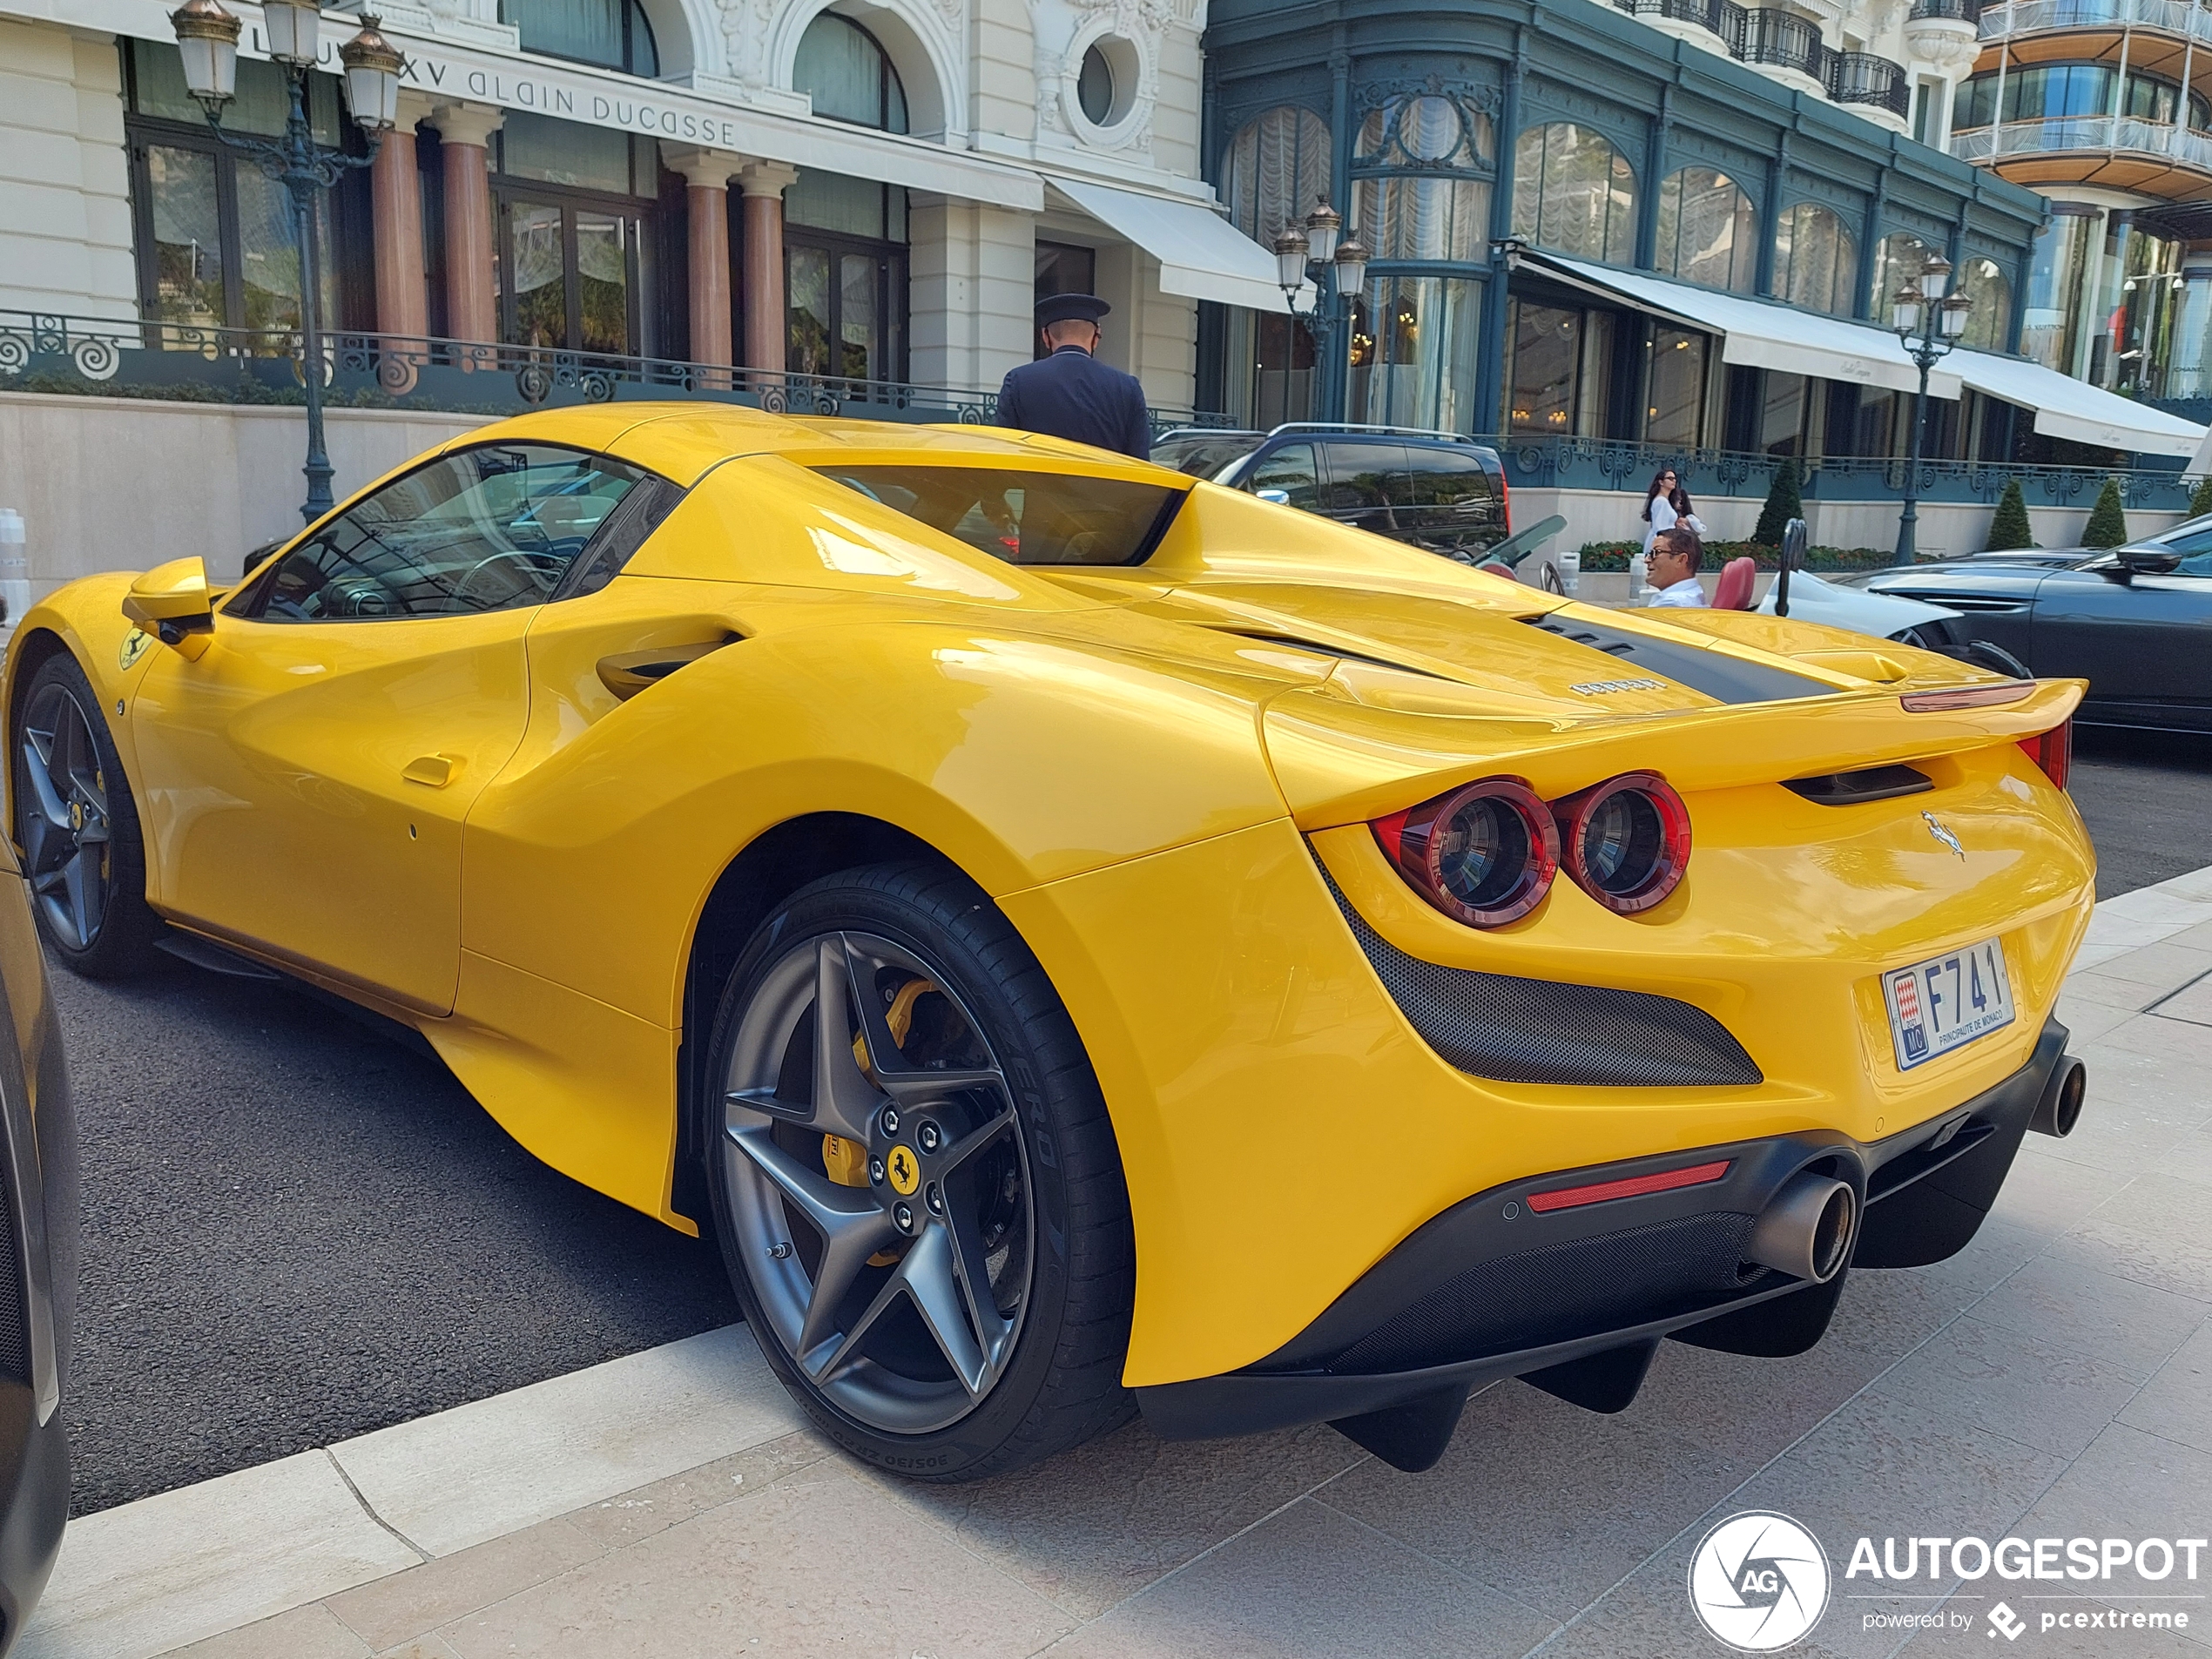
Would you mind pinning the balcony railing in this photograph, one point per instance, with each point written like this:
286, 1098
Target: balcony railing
1861, 78
1777, 39
1544, 463
2026, 16
1951, 10
200, 364
2091, 133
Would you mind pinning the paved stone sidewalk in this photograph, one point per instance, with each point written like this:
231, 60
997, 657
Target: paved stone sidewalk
2055, 1379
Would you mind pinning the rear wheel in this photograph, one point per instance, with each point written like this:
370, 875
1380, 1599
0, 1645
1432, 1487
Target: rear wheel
78, 828
916, 1188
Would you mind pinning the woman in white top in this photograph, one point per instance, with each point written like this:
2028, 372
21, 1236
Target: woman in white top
1666, 504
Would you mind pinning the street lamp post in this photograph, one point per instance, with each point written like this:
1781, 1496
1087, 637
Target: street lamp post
1929, 324
1337, 270
207, 36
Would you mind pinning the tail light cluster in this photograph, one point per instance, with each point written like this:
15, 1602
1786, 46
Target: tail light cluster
1486, 853
2053, 751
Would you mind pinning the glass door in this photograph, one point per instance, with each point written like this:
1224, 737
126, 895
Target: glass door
571, 275
845, 302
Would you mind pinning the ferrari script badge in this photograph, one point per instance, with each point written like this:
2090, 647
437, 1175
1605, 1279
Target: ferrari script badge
905, 1170
1942, 832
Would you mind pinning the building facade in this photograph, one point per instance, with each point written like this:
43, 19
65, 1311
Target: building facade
846, 204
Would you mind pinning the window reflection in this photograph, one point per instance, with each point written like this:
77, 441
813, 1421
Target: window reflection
1709, 231
1573, 193
1675, 399
1413, 352
1816, 261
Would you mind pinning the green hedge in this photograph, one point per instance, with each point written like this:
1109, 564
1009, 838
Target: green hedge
1613, 555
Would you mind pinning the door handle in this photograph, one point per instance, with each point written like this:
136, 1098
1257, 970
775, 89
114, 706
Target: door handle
434, 771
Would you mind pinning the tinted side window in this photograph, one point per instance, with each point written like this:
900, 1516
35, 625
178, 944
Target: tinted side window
1290, 469
484, 529
1369, 475
1443, 477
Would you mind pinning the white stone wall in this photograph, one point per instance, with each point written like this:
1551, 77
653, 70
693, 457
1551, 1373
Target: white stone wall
972, 281
208, 479
64, 183
1945, 528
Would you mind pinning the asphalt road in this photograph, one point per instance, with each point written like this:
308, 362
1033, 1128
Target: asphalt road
298, 1231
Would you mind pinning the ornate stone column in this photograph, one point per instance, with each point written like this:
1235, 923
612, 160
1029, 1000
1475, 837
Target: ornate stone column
472, 307
706, 174
395, 196
764, 184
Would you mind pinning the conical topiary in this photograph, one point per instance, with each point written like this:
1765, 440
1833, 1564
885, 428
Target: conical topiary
1782, 504
2200, 502
2107, 525
2008, 530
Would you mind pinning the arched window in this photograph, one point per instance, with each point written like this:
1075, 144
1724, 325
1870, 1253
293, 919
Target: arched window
1420, 210
1278, 168
1573, 193
1816, 261
1426, 129
848, 74
1898, 260
1985, 283
610, 33
1708, 231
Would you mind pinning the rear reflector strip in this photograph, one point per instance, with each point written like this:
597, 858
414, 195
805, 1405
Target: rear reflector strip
1966, 696
1696, 1174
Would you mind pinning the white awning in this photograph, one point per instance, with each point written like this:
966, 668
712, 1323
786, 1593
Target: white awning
1761, 334
1202, 255
2066, 407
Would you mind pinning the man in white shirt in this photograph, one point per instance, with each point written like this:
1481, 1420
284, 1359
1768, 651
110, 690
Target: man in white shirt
1677, 557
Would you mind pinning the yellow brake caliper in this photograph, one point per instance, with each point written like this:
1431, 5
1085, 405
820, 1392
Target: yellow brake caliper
848, 1161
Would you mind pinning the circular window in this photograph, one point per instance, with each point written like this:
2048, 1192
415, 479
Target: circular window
1095, 87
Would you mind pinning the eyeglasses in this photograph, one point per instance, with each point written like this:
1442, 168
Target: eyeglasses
1666, 478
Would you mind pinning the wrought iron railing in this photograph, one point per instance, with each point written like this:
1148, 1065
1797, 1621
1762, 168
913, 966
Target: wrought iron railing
200, 363
1539, 461
1944, 10
1779, 39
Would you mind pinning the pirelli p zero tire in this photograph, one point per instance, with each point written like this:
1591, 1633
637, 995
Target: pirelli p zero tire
915, 1184
77, 827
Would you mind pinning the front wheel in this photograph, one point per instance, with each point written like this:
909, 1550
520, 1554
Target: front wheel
77, 828
915, 1184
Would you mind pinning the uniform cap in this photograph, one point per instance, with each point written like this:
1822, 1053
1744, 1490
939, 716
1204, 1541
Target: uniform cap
1063, 308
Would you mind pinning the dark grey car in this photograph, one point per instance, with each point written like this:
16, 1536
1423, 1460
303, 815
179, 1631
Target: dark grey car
1435, 490
2134, 621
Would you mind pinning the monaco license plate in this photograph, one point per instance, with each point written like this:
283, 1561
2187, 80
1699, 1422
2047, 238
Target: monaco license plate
1947, 1002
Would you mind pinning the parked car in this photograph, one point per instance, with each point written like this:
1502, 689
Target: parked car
2134, 621
1086, 940
61, 778
1434, 490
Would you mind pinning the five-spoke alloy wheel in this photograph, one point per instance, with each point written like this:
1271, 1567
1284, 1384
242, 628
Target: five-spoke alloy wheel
77, 826
932, 1283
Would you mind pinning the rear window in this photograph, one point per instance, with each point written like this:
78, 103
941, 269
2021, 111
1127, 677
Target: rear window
1026, 517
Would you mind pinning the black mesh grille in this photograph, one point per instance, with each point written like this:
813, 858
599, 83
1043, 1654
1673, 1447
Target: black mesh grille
1562, 1291
15, 1338
1545, 1031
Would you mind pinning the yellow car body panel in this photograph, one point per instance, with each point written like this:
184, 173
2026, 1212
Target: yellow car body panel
1150, 769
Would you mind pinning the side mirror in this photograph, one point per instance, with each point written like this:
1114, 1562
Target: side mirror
172, 602
1280, 497
2147, 560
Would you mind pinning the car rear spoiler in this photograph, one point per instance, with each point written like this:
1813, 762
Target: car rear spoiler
1341, 762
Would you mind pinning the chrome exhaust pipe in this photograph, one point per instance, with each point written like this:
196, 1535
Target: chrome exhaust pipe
2061, 1108
1806, 1230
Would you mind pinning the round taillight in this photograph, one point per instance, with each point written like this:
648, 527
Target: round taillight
1484, 854
1626, 841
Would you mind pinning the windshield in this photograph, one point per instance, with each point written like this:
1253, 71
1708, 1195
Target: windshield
1202, 454
1026, 517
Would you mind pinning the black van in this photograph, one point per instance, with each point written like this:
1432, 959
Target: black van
1436, 490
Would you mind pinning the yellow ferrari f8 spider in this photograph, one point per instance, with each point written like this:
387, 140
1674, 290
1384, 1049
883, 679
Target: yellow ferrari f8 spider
1086, 941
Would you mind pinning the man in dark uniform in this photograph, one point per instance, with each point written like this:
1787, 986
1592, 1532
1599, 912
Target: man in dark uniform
1071, 394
